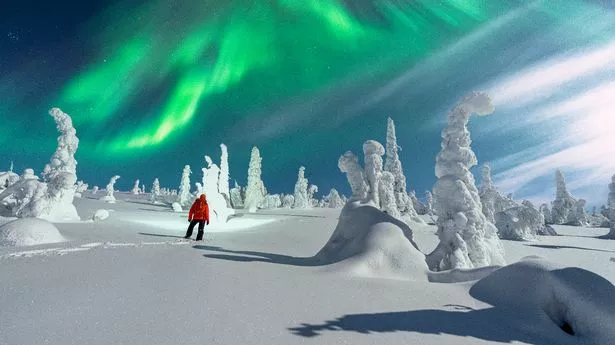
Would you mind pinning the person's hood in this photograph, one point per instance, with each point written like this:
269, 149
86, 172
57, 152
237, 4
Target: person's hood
202, 197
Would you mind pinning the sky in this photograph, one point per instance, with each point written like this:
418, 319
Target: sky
154, 85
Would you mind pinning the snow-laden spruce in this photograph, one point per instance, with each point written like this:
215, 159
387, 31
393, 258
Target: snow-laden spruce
185, 197
236, 195
255, 191
520, 223
492, 200
611, 209
288, 201
349, 163
387, 194
393, 165
155, 193
418, 206
546, 213
218, 205
429, 209
272, 201
312, 190
136, 189
373, 152
109, 197
333, 199
467, 238
579, 216
223, 179
53, 198
564, 202
301, 196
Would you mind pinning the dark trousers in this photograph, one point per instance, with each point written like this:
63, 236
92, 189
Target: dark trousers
199, 235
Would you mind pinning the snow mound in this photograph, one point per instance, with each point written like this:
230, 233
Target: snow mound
100, 215
29, 232
369, 242
578, 302
108, 198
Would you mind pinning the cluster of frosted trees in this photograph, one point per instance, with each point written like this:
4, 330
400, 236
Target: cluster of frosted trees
51, 198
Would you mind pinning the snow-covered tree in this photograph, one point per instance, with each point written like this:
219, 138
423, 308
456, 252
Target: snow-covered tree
185, 197
272, 201
467, 238
155, 191
223, 179
579, 216
236, 195
429, 203
333, 199
520, 223
393, 165
301, 190
387, 194
416, 204
109, 197
611, 209
288, 201
53, 198
255, 191
136, 189
199, 188
95, 190
80, 188
312, 190
373, 152
546, 213
492, 200
349, 163
564, 202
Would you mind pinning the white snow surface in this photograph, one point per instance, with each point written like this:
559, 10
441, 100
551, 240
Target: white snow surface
132, 279
29, 232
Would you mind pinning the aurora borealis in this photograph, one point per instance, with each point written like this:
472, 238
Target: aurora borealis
154, 85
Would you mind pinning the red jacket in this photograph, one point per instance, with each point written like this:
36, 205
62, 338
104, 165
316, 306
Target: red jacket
199, 210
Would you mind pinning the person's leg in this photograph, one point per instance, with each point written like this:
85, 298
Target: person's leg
199, 236
190, 228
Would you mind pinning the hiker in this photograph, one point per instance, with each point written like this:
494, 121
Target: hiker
199, 213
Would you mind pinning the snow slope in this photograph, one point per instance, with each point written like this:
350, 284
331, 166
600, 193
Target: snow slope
130, 279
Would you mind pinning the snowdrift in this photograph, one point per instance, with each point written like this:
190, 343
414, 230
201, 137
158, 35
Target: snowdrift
369, 242
29, 232
563, 302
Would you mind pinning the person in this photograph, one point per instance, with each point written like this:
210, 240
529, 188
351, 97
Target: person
199, 213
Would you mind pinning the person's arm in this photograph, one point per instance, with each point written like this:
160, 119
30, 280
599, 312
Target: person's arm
207, 213
191, 213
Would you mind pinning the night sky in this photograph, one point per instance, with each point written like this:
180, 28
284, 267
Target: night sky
154, 85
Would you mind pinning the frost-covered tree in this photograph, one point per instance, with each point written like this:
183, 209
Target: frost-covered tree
288, 201
199, 188
135, 189
467, 238
333, 199
155, 197
80, 188
255, 191
416, 204
579, 216
109, 197
429, 203
272, 201
611, 209
393, 165
520, 223
95, 190
492, 200
546, 213
564, 202
185, 197
211, 174
349, 163
373, 152
236, 195
53, 198
312, 190
387, 194
301, 190
223, 179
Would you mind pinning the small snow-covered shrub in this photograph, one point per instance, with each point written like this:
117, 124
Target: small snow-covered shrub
99, 215
272, 201
177, 207
288, 201
29, 232
520, 223
109, 197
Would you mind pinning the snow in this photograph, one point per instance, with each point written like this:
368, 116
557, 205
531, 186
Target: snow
99, 215
29, 232
255, 280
